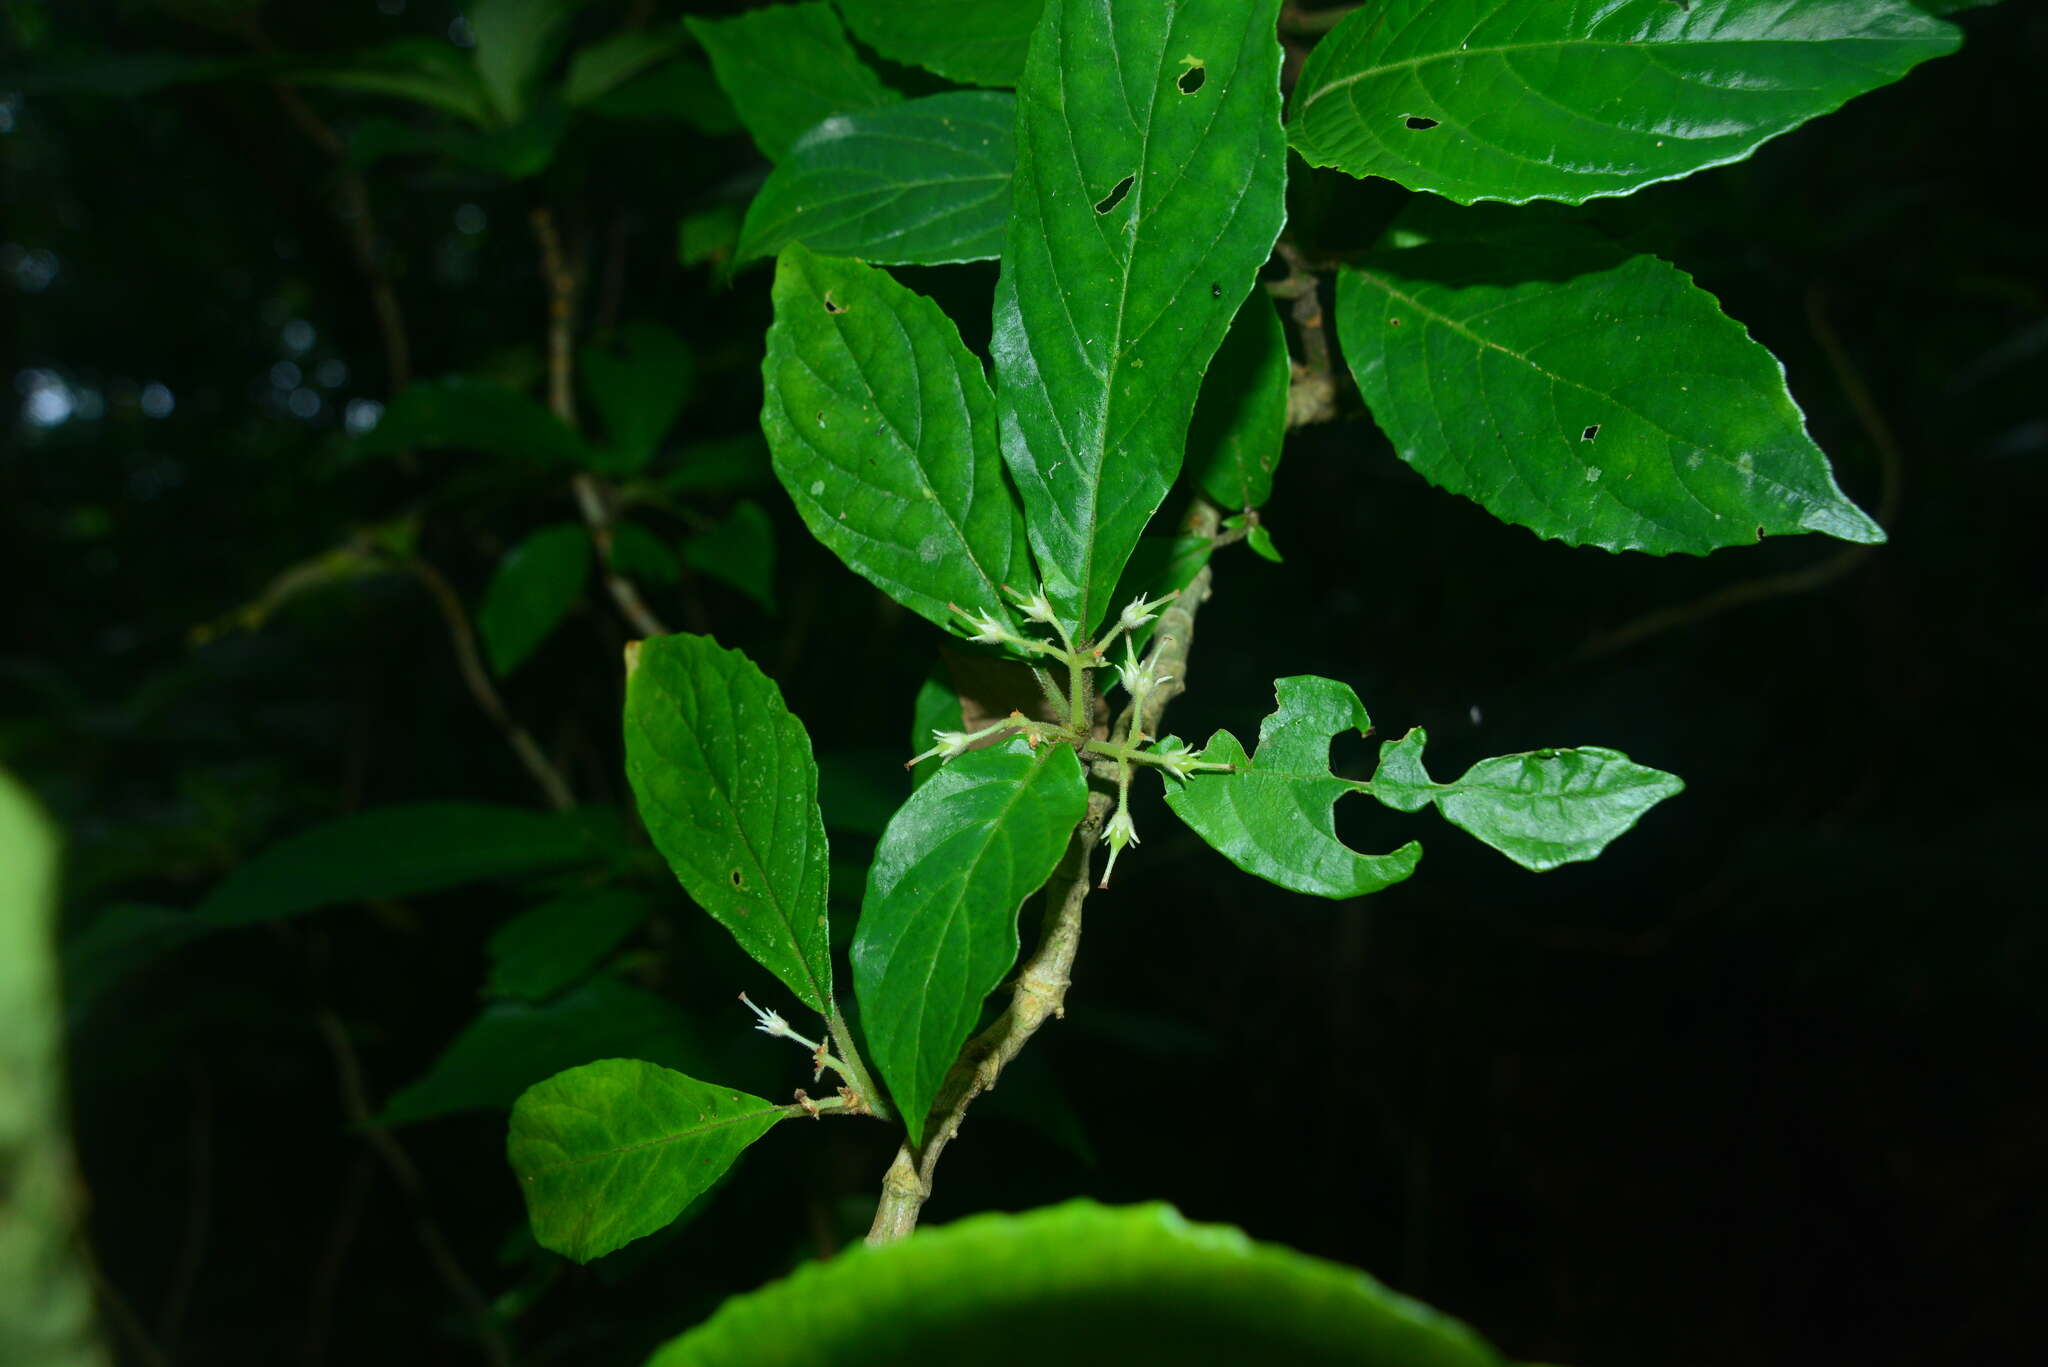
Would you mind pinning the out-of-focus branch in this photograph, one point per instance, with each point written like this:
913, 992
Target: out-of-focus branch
1312, 396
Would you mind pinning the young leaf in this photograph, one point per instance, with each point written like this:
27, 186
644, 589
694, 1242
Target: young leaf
516, 40
511, 1045
925, 182
1241, 417
639, 391
974, 42
1592, 396
541, 951
883, 431
938, 926
612, 1151
1540, 809
787, 67
1077, 1283
1144, 203
739, 551
1275, 816
1490, 99
729, 792
537, 583
478, 415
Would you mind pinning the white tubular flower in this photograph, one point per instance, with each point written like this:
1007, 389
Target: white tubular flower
1175, 757
1033, 605
772, 1023
1140, 611
1119, 833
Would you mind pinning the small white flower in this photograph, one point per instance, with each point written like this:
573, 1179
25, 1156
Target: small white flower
771, 1023
1139, 611
1119, 833
1175, 757
1033, 605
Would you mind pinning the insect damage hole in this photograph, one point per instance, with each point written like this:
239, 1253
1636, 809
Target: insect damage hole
1191, 80
1116, 196
1419, 122
737, 881
1590, 433
831, 306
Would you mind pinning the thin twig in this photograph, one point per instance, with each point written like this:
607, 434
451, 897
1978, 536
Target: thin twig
1312, 393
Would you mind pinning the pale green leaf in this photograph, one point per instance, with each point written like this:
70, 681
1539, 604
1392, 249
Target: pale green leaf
1507, 100
516, 42
1080, 1285
537, 583
1143, 206
1540, 809
974, 42
1592, 396
640, 387
546, 948
1275, 816
1241, 417
938, 925
883, 431
612, 1151
925, 182
729, 793
787, 67
739, 551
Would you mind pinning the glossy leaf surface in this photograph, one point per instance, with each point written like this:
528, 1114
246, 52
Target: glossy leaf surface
477, 415
1275, 816
884, 433
640, 389
925, 182
537, 583
938, 925
1505, 100
729, 793
1144, 204
612, 1151
511, 1045
1595, 397
1081, 1285
787, 67
544, 949
1241, 416
974, 42
739, 551
1540, 809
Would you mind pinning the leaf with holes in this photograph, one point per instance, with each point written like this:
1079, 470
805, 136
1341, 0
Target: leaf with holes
974, 42
1275, 816
1499, 99
612, 1151
787, 67
883, 432
729, 792
537, 583
926, 182
1593, 396
1241, 417
1540, 809
1150, 171
938, 926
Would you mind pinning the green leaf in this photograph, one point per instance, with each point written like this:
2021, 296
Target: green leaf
1276, 815
601, 67
516, 42
1140, 216
883, 431
1159, 566
612, 1151
679, 90
707, 236
1497, 99
1592, 396
516, 152
787, 67
739, 551
1540, 809
1261, 542
925, 182
397, 851
638, 553
640, 390
729, 792
479, 415
1081, 1285
426, 71
974, 42
119, 942
937, 708
537, 583
542, 950
938, 925
1241, 417
512, 1045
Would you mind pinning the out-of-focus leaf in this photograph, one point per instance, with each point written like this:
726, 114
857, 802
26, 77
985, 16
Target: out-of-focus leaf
537, 583
1275, 816
612, 1151
1540, 809
710, 235
601, 67
713, 467
129, 75
729, 793
519, 151
425, 71
739, 551
640, 389
787, 67
541, 951
476, 415
938, 925
516, 42
925, 182
679, 90
974, 42
1241, 416
1082, 1285
511, 1045
638, 553
1500, 99
119, 942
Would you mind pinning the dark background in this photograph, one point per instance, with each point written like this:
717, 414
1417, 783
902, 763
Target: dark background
1761, 1085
